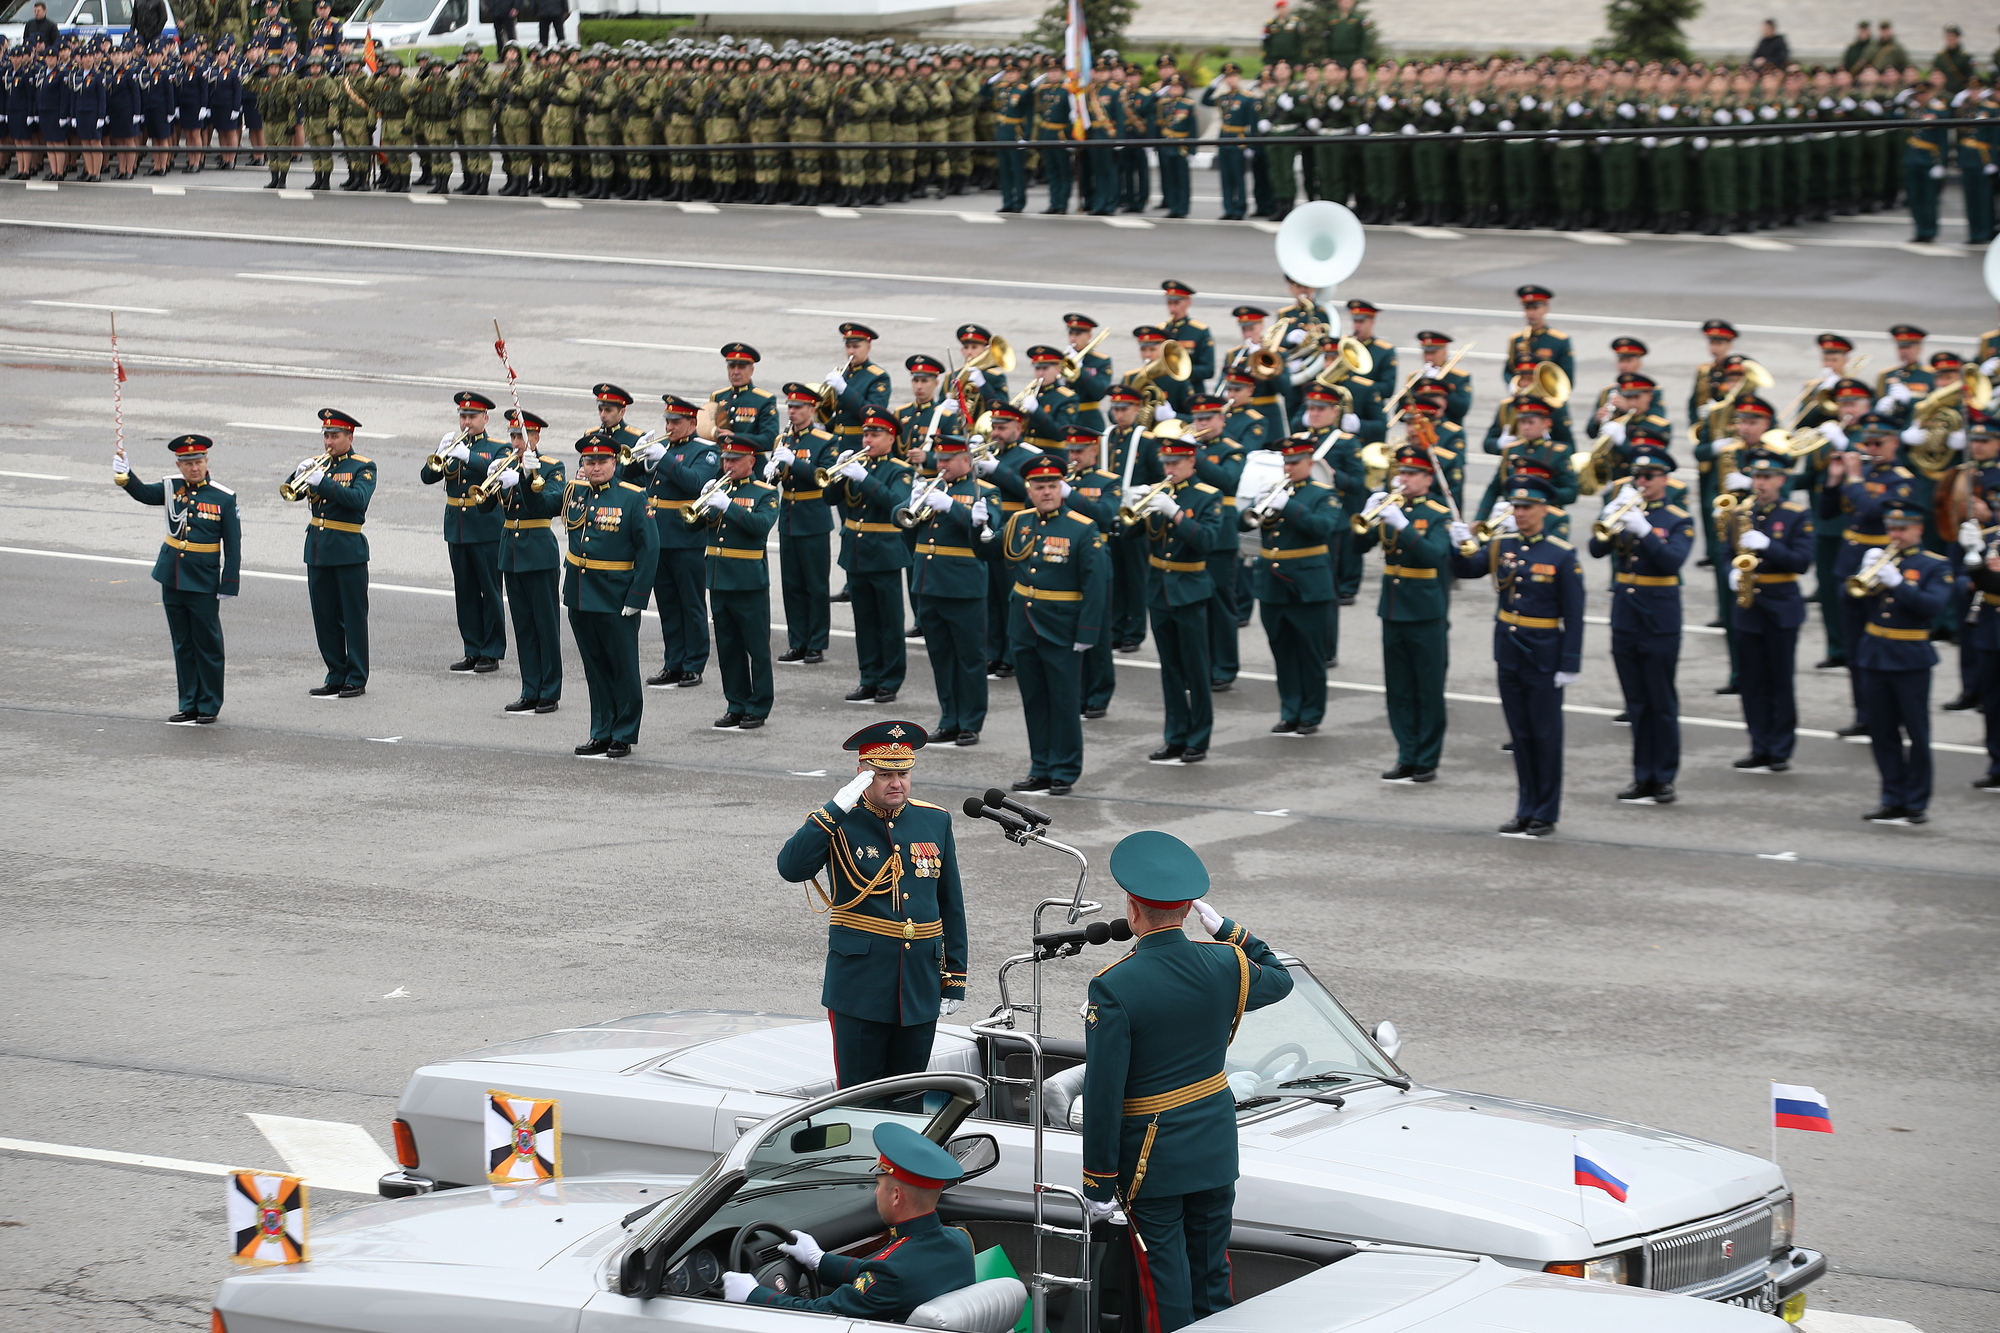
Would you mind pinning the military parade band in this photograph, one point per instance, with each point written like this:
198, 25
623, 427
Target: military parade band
1037, 535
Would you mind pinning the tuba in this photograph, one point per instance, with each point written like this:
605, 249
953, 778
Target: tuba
1941, 412
1320, 244
1549, 383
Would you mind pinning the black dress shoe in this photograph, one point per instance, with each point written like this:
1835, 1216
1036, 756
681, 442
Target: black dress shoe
1506, 747
1092, 714
1537, 828
1424, 775
521, 705
1830, 664
1639, 793
184, 718
750, 724
727, 722
1059, 788
1622, 720
618, 750
913, 632
941, 736
813, 657
1512, 828
999, 671
1347, 601
1887, 814
842, 596
1752, 763
793, 655
1167, 754
885, 696
593, 747
462, 664
1728, 689
664, 679
546, 706
1220, 686
1962, 703
1193, 756
1663, 793
204, 719
1991, 782
1306, 729
861, 694
1854, 730
323, 691
485, 665
354, 691
967, 738
689, 680
1032, 784
1777, 765
1400, 773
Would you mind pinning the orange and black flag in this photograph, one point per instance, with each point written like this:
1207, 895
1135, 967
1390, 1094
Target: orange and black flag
368, 52
267, 1218
523, 1138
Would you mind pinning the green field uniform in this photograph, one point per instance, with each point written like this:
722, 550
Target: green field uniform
199, 562
852, 102
562, 92
1520, 159
961, 99
1416, 644
680, 127
278, 103
357, 131
811, 96
1667, 164
1431, 161
881, 129
723, 98
1570, 164
597, 113
1619, 162
1478, 159
1715, 160
1285, 108
1294, 589
317, 94
514, 111
638, 122
431, 107
764, 112
476, 85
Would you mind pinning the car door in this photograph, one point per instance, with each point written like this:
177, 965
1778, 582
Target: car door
609, 1312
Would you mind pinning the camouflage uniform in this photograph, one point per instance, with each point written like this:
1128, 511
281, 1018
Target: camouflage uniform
768, 98
431, 105
811, 96
477, 84
562, 92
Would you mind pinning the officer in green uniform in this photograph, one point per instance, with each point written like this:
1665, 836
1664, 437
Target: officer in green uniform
1236, 118
198, 564
741, 407
1092, 371
1251, 417
1127, 452
1538, 342
1925, 149
896, 946
1055, 613
1190, 333
1860, 487
1529, 447
1051, 405
1159, 1118
1893, 660
920, 1258
612, 546
471, 532
1011, 103
868, 489
859, 387
1294, 585
1416, 553
736, 518
805, 526
1175, 117
1183, 525
1328, 414
674, 469
1372, 391
1095, 493
337, 487
975, 340
530, 494
957, 521
1457, 384
1218, 462
1049, 100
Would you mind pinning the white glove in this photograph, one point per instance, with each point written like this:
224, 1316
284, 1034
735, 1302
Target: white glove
1081, 647
1575, 108
1461, 533
1031, 402
1565, 679
1431, 107
313, 478
1430, 372
1736, 481
1350, 423
948, 408
848, 795
854, 471
1899, 392
1937, 173
1408, 128
120, 464
1528, 104
1313, 124
1828, 380
509, 479
1375, 498
1506, 125
1914, 435
1989, 367
1627, 110
1164, 412
803, 1248
838, 382
1211, 920
1754, 541
1278, 502
1295, 337
716, 502
1955, 440
462, 452
977, 376
530, 461
1507, 523
1285, 101
949, 1007
937, 501
1700, 141
1638, 524
1263, 127
1890, 575
1969, 535
1649, 142
736, 1287
628, 610
1364, 129
1669, 112
987, 466
1735, 578
1066, 490
785, 455
1164, 505
654, 452
979, 511
1616, 430
1394, 517
1885, 404
1507, 437
1833, 432
1093, 1211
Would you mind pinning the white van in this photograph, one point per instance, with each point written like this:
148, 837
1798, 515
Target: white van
400, 23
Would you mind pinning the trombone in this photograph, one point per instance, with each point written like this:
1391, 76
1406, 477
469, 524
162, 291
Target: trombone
1444, 372
694, 515
290, 489
1073, 358
1132, 510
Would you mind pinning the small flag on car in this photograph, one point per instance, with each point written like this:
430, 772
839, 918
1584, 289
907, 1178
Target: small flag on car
523, 1138
1591, 1174
1795, 1106
267, 1218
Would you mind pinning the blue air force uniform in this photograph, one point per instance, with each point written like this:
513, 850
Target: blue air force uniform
613, 547
1767, 630
896, 945
1646, 633
530, 566
1159, 1119
680, 576
1862, 501
1059, 584
199, 562
472, 534
1893, 659
336, 558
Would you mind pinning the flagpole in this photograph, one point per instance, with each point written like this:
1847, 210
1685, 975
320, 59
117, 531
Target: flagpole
1773, 1109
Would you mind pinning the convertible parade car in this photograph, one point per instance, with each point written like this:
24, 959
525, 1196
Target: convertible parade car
617, 1252
1337, 1145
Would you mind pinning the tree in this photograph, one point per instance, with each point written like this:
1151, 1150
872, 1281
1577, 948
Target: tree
1648, 29
1104, 20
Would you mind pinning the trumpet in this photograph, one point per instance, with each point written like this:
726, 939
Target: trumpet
1612, 520
628, 452
824, 477
694, 515
907, 516
290, 489
1372, 515
1073, 358
489, 489
1867, 580
1132, 510
1259, 513
438, 461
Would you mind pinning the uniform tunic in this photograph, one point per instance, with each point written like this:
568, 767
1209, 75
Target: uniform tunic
612, 545
739, 583
1055, 606
922, 1259
1768, 629
680, 576
530, 565
336, 560
472, 539
199, 561
1178, 593
1294, 585
1646, 634
1892, 660
805, 548
1416, 640
948, 575
874, 558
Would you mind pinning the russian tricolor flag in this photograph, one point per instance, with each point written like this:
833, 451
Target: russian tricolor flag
1590, 1173
1795, 1106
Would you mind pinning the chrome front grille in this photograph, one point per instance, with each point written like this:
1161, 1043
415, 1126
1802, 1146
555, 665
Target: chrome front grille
1710, 1255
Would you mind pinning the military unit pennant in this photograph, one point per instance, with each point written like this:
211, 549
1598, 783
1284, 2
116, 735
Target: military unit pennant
523, 1138
267, 1218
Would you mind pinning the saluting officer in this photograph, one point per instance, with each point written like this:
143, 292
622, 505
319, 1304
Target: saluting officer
1127, 450
1416, 639
871, 488
1190, 333
471, 533
1537, 643
612, 546
1159, 1118
805, 526
612, 402
956, 524
1780, 539
199, 563
1055, 613
1538, 342
338, 492
1893, 660
896, 949
1861, 487
1294, 584
741, 407
1094, 493
674, 470
1649, 548
736, 519
530, 495
1182, 525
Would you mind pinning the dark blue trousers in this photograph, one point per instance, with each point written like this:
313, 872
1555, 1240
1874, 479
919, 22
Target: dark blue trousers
475, 582
1533, 708
1229, 169
680, 595
1897, 704
1764, 663
1986, 688
339, 596
534, 597
864, 1051
1646, 664
1128, 593
1184, 1271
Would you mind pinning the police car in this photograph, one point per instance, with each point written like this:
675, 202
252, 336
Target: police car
88, 18
1337, 1143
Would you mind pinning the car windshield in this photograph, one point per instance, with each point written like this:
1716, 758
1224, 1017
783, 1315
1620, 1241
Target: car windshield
1306, 1040
393, 11
24, 10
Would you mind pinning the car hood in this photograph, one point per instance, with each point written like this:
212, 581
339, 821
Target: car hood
516, 1227
1498, 1156
640, 1039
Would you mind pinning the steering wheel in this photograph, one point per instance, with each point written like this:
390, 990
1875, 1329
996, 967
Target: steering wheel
782, 1274
1270, 1059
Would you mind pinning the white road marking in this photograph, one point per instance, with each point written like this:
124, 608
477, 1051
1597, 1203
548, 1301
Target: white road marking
830, 211
400, 993
561, 203
92, 305
42, 185
301, 277
302, 430
694, 206
1132, 224
1275, 814
1434, 233
1777, 856
1759, 243
383, 740
1596, 238
35, 476
160, 1163
980, 217
650, 347
1832, 1321
297, 196
1931, 250
169, 189
330, 1154
862, 314
816, 773
434, 200
1268, 228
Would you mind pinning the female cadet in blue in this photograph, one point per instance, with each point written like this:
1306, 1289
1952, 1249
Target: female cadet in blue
1537, 644
1159, 1119
198, 564
1780, 539
225, 97
128, 120
1893, 663
895, 947
1648, 551
191, 113
53, 100
156, 105
22, 80
90, 106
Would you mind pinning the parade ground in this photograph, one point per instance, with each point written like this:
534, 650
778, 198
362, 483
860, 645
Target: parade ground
230, 944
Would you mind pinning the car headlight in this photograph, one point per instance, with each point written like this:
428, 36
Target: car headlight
1784, 1220
1614, 1269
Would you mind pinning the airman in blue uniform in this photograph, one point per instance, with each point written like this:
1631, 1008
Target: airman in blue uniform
1182, 526
1860, 488
613, 547
1189, 332
199, 563
674, 470
896, 945
1055, 613
1537, 643
957, 522
1538, 342
1893, 660
1648, 549
471, 533
530, 495
1294, 585
920, 1259
741, 408
1415, 608
736, 519
1159, 1119
869, 489
337, 492
805, 526
1779, 538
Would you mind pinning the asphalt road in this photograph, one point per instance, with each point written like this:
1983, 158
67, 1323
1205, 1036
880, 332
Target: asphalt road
206, 923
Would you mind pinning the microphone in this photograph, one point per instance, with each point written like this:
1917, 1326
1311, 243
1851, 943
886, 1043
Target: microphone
1000, 800
1097, 932
978, 809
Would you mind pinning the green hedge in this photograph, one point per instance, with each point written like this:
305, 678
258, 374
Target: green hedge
616, 31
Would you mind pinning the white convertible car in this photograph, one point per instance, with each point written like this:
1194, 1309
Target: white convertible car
627, 1253
1337, 1144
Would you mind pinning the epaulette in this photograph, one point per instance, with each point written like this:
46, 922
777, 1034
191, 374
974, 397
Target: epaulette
1064, 388
1898, 470
1204, 486
1556, 333
1557, 541
1196, 324
1080, 518
716, 394
626, 485
763, 485
762, 393
1442, 509
1799, 505
1676, 511
1932, 554
357, 458
1113, 963
1253, 412
220, 487
925, 804
872, 369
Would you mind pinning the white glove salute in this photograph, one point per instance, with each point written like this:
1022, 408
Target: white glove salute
1755, 541
715, 501
1890, 576
1638, 524
1736, 481
1277, 503
838, 382
509, 479
848, 795
1461, 533
736, 1287
654, 452
1164, 505
937, 501
1164, 412
1616, 430
1211, 920
804, 1248
854, 471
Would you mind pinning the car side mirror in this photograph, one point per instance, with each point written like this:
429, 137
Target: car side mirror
642, 1272
818, 1138
1386, 1036
977, 1153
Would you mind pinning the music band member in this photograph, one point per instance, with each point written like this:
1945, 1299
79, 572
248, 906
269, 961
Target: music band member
337, 490
613, 548
1055, 613
896, 943
956, 525
472, 533
1181, 524
869, 490
530, 493
1901, 596
1860, 487
805, 526
1769, 607
673, 471
1414, 533
1294, 585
